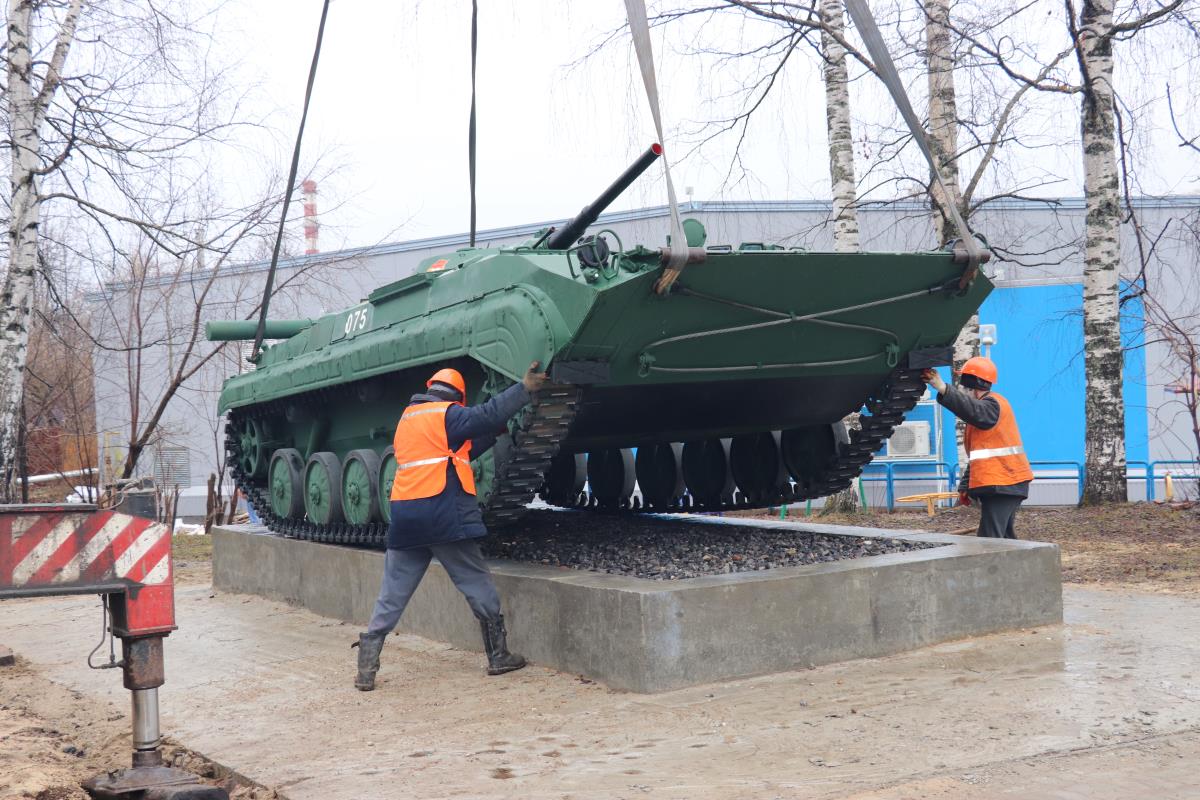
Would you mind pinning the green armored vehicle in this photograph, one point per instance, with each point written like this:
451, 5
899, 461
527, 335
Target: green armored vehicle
727, 391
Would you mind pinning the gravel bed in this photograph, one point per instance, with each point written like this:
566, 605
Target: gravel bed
667, 550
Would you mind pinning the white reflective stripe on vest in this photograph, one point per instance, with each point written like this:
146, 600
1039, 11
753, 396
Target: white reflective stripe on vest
996, 452
411, 414
425, 462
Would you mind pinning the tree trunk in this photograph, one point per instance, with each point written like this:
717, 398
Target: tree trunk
943, 116
841, 141
842, 180
943, 142
17, 295
1104, 436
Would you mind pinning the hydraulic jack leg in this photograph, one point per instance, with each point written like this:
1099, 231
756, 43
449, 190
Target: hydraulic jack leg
148, 778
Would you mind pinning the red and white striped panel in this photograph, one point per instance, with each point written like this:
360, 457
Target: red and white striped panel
72, 548
60, 548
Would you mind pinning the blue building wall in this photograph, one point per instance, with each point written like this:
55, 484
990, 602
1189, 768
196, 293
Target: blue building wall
1039, 357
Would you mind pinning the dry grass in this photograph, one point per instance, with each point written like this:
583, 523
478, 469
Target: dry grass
186, 547
1142, 544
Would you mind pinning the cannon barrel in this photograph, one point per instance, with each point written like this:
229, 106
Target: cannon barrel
566, 236
244, 329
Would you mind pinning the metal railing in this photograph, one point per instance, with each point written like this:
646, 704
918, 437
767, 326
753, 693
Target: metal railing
1194, 474
1078, 467
1149, 476
890, 477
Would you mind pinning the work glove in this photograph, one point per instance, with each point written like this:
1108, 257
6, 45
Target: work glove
931, 377
533, 379
964, 499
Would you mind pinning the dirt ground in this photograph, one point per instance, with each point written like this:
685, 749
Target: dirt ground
1142, 546
53, 738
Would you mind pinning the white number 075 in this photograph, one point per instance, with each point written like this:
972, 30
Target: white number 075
356, 321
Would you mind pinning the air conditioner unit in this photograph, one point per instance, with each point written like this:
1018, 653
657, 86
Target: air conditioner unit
908, 440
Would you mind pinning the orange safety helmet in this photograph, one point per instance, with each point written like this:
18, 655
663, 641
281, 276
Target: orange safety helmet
981, 368
450, 377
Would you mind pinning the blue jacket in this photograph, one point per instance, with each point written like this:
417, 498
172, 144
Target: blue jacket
454, 515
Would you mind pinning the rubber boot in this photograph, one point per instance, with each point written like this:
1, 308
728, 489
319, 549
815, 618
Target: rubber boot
495, 643
369, 646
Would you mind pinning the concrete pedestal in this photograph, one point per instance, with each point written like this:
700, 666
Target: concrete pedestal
652, 636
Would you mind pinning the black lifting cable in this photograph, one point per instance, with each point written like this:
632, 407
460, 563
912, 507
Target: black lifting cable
291, 185
471, 126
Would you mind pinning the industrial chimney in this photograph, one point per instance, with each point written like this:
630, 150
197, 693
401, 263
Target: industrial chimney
310, 218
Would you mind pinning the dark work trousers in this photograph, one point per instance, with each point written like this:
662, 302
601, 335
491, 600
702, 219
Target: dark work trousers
403, 570
997, 513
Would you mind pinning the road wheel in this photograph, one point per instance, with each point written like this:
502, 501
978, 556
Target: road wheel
611, 475
285, 481
360, 486
252, 450
322, 489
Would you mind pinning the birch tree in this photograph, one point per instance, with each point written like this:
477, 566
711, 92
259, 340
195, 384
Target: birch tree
943, 117
943, 143
753, 45
1103, 356
844, 188
28, 96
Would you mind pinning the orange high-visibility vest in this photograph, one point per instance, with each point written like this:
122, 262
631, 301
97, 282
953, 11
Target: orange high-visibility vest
996, 455
422, 452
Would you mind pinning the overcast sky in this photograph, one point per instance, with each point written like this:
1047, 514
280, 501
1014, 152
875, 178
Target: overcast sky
390, 109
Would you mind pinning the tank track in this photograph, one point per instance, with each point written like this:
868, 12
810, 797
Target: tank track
534, 442
885, 410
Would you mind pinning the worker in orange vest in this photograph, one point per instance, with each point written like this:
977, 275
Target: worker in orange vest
997, 472
434, 511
